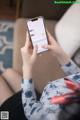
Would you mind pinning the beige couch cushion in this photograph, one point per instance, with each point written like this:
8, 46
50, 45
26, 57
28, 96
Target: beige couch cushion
68, 30
46, 67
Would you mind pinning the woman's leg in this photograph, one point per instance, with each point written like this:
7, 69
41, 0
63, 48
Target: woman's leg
13, 78
5, 91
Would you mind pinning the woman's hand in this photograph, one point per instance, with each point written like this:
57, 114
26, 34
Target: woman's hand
57, 51
29, 56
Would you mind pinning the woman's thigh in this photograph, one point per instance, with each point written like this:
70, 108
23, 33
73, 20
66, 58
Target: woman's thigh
13, 78
5, 91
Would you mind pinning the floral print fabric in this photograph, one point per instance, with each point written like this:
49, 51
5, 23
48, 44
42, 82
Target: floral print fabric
44, 109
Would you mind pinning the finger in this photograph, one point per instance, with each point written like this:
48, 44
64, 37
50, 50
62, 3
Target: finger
35, 51
27, 43
27, 38
47, 47
50, 38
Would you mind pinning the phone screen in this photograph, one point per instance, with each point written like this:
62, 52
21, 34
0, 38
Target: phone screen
37, 33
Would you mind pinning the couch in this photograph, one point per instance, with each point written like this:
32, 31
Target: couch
46, 67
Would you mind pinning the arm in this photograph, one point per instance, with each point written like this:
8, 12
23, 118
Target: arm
33, 109
67, 65
70, 68
30, 104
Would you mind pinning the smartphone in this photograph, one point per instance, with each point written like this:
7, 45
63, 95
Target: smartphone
37, 32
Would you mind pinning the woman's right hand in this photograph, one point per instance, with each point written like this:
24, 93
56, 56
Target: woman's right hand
29, 56
57, 50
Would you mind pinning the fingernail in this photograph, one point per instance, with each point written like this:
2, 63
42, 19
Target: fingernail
43, 46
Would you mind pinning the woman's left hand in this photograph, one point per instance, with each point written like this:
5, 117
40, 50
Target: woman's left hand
29, 56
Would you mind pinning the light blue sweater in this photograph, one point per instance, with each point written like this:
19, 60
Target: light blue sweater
43, 109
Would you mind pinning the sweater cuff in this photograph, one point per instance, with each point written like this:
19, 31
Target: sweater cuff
70, 68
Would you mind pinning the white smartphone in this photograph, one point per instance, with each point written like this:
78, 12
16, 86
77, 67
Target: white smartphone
37, 32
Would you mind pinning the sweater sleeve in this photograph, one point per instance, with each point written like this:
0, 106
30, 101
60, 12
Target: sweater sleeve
33, 109
30, 104
70, 68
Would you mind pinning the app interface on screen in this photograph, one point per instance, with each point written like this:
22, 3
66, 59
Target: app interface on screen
37, 33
